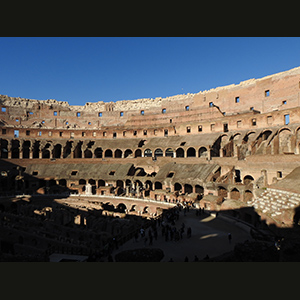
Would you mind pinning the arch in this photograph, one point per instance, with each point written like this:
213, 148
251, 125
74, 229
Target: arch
248, 195
127, 153
67, 149
265, 134
222, 191
92, 181
148, 184
248, 179
199, 189
158, 152
157, 185
26, 149
45, 153
128, 182
284, 128
146, 210
246, 137
98, 152
138, 153
191, 152
169, 152
177, 186
57, 151
179, 152
235, 194
120, 183
4, 148
88, 153
78, 151
236, 136
82, 181
133, 207
118, 153
108, 153
62, 182
188, 189
101, 182
121, 207
203, 152
284, 140
148, 153
15, 152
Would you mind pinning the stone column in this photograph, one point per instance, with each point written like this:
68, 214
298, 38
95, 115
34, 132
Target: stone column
88, 189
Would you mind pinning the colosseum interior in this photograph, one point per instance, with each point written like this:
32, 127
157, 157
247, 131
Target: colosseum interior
232, 149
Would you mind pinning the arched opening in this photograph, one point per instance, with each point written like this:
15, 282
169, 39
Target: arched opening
121, 207
266, 134
146, 210
62, 182
179, 152
46, 153
285, 136
26, 149
133, 207
57, 151
67, 149
15, 152
177, 186
191, 152
138, 153
222, 192
158, 153
92, 181
88, 153
127, 153
118, 153
148, 153
199, 189
248, 179
101, 182
120, 183
82, 181
188, 189
235, 194
78, 151
157, 185
4, 148
248, 195
98, 152
169, 152
148, 185
128, 182
108, 153
36, 149
202, 152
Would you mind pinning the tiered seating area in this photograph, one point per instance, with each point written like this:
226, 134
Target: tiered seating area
273, 202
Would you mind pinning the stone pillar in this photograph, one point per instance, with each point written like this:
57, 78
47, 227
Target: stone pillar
88, 189
30, 153
208, 153
20, 153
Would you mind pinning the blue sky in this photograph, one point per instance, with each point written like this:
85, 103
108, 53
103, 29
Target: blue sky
83, 69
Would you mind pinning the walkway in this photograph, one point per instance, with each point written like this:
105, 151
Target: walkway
209, 237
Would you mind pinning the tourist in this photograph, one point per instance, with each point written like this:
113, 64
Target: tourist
229, 237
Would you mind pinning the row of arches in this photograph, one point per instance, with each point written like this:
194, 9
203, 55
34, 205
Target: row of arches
235, 194
36, 149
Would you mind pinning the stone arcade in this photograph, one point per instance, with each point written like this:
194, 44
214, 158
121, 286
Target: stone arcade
223, 149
